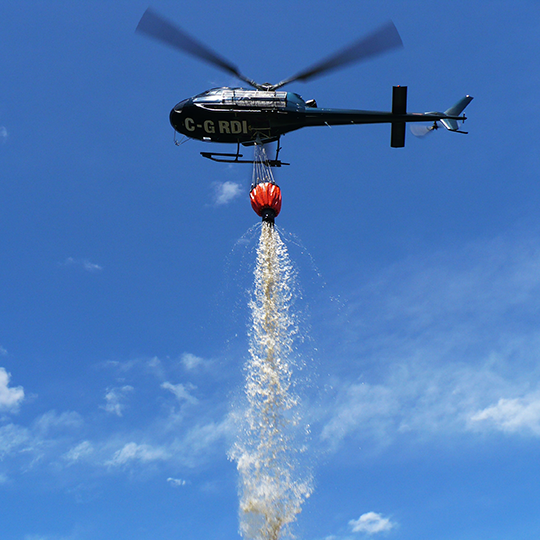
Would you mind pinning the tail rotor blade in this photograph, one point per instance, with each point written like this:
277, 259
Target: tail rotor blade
421, 130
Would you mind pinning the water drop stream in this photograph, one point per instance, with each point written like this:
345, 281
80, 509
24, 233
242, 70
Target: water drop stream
272, 484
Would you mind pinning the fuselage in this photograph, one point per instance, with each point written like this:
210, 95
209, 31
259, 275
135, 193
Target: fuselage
233, 115
239, 115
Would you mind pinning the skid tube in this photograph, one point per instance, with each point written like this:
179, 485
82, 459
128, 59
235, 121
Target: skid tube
223, 157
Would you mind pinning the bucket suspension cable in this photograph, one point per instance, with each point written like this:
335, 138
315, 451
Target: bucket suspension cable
265, 194
262, 171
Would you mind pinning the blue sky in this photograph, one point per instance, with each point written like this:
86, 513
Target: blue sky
125, 262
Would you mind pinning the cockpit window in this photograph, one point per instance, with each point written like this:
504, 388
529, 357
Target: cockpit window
211, 92
217, 91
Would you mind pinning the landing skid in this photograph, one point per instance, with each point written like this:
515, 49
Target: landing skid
235, 158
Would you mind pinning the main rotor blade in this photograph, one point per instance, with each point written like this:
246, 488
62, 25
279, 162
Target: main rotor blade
383, 39
159, 28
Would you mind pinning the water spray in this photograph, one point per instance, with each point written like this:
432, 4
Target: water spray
273, 481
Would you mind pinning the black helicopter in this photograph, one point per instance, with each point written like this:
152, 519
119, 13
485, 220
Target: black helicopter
264, 114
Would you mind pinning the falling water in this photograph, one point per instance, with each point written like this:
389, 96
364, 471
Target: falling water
273, 485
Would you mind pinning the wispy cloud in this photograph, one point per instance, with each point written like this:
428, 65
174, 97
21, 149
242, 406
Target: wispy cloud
162, 445
3, 135
444, 344
371, 523
13, 438
79, 452
85, 264
177, 482
76, 535
52, 421
133, 452
181, 391
190, 361
202, 440
115, 399
10, 397
225, 192
157, 436
417, 398
45, 436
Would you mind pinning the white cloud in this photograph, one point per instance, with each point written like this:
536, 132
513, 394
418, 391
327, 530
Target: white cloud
156, 367
13, 438
417, 397
177, 482
190, 361
115, 399
79, 452
73, 536
155, 436
91, 267
225, 192
85, 264
10, 397
181, 391
518, 415
201, 438
3, 135
432, 346
164, 446
42, 442
138, 452
52, 421
3, 351
362, 407
371, 523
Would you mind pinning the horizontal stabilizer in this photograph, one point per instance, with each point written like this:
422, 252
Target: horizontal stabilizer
397, 138
399, 106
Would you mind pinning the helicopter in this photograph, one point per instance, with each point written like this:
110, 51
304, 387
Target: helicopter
264, 113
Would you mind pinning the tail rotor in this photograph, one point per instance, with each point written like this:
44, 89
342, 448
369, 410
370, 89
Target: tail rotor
448, 119
421, 130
